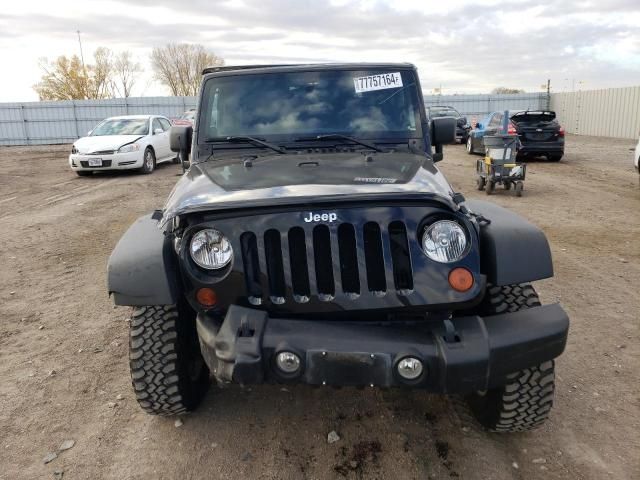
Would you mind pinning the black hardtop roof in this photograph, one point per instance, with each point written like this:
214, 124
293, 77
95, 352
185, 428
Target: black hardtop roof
300, 67
534, 112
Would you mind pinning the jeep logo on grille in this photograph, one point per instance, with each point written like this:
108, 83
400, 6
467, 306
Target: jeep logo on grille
320, 217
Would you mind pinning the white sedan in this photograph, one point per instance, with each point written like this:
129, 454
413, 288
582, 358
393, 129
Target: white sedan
122, 143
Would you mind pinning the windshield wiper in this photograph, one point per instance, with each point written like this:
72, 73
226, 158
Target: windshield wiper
336, 136
245, 139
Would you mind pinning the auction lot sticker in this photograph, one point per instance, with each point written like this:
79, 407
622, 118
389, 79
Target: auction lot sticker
381, 81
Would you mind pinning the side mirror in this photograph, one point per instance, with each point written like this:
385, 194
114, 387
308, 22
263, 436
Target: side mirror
443, 130
158, 131
89, 133
180, 142
180, 138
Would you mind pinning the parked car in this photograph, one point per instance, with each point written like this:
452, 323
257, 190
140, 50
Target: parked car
462, 125
123, 143
187, 118
323, 246
539, 132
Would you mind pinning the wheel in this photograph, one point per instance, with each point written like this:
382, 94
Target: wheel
470, 145
491, 186
519, 187
480, 183
556, 157
524, 402
84, 173
168, 373
149, 162
176, 159
506, 185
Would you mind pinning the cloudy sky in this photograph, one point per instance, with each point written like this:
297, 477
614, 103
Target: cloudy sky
463, 46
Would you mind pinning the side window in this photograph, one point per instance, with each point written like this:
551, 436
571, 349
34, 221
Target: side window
165, 124
156, 124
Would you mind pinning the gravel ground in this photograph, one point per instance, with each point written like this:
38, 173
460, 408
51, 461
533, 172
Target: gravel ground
63, 347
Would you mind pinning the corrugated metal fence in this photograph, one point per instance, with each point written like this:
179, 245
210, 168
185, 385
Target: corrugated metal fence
479, 105
33, 123
614, 112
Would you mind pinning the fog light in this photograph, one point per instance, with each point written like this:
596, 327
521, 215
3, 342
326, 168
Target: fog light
410, 368
288, 362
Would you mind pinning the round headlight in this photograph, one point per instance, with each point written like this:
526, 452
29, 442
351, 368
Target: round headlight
444, 241
210, 249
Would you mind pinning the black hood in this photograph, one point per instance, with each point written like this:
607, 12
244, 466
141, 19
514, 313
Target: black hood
305, 178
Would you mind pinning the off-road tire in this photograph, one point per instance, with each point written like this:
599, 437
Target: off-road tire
148, 161
524, 402
168, 373
480, 183
554, 158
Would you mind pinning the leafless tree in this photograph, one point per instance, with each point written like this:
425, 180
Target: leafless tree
125, 73
101, 85
67, 78
179, 66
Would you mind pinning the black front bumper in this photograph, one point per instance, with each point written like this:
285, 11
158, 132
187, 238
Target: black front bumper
468, 354
529, 147
462, 133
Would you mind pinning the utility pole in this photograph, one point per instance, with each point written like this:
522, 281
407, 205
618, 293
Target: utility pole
84, 69
81, 54
548, 94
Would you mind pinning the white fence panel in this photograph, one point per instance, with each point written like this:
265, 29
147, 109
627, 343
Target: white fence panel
614, 112
480, 105
33, 123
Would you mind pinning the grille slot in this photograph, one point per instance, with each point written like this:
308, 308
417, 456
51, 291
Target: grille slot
323, 262
402, 274
299, 266
374, 257
251, 263
275, 269
300, 263
348, 253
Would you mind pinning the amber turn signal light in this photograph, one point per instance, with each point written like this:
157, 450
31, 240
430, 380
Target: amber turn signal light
460, 279
206, 297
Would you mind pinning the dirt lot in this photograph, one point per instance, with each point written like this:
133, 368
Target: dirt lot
63, 347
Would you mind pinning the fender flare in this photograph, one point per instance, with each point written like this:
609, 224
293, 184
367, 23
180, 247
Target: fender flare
512, 250
142, 269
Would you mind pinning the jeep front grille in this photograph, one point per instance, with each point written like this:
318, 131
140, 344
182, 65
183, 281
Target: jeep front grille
351, 261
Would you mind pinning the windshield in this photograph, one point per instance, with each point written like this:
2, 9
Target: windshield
122, 126
363, 104
435, 112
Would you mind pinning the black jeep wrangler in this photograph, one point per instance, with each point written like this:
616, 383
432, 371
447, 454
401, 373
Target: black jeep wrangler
313, 240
